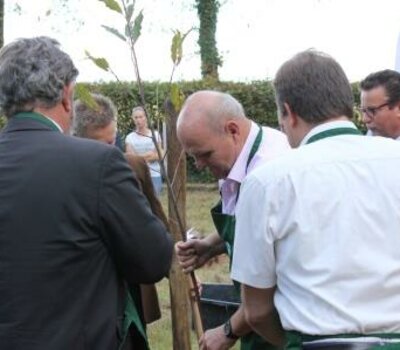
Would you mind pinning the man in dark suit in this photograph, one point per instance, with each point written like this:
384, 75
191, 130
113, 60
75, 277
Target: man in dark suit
96, 119
74, 225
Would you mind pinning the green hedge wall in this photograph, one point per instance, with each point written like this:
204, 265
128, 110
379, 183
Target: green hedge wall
257, 98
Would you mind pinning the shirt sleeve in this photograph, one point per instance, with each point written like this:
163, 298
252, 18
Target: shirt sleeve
138, 241
253, 257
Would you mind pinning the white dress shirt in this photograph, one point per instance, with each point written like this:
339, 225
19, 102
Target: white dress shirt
322, 223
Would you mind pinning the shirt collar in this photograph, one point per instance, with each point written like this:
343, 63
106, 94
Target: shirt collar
327, 126
238, 171
54, 122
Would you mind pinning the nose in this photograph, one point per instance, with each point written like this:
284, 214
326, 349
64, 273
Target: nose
366, 118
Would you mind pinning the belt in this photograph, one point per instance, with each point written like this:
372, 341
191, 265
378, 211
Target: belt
342, 346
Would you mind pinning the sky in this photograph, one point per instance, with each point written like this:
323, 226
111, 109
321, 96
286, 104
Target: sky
254, 37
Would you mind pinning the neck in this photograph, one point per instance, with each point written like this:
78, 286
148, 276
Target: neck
55, 115
245, 127
308, 127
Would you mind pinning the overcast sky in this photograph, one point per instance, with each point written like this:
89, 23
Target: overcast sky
254, 36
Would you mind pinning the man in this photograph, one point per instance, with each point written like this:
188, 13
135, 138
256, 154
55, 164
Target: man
317, 233
213, 128
99, 122
74, 226
380, 103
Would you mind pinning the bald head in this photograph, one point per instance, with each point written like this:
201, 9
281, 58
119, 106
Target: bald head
209, 108
213, 128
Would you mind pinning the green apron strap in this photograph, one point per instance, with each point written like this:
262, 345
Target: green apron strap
253, 151
333, 132
37, 117
255, 147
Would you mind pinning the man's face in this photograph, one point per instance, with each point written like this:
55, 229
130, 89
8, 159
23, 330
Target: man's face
106, 134
380, 118
216, 151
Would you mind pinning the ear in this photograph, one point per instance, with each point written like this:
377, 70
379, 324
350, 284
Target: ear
232, 128
67, 97
293, 117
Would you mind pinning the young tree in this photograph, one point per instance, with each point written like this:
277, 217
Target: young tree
207, 11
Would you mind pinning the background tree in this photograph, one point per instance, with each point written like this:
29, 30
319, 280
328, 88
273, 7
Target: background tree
1, 23
207, 11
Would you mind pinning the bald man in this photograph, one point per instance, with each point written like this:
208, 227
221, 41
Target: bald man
213, 129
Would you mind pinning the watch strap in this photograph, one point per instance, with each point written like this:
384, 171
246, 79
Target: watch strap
228, 330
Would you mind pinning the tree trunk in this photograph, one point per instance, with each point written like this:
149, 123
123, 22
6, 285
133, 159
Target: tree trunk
207, 11
178, 281
1, 23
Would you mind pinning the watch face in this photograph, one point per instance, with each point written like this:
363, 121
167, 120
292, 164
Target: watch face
227, 328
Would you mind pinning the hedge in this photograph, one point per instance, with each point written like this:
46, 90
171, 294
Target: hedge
257, 98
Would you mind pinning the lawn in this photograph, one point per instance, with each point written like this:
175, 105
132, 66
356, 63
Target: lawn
198, 204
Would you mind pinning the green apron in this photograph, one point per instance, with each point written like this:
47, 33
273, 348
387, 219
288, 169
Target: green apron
294, 340
132, 318
131, 315
225, 225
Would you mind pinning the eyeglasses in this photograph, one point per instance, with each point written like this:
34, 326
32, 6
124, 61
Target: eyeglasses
371, 111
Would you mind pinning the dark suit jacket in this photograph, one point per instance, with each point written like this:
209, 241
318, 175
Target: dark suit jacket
73, 226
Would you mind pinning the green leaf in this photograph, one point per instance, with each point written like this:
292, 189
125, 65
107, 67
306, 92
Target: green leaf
82, 93
177, 46
137, 27
115, 32
129, 12
98, 61
177, 97
112, 5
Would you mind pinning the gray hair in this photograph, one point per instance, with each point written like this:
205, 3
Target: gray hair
315, 87
89, 119
33, 73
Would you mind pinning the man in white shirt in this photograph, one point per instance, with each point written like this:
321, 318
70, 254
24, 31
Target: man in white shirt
380, 103
213, 128
317, 233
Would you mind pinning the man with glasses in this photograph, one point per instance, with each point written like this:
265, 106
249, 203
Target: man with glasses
380, 103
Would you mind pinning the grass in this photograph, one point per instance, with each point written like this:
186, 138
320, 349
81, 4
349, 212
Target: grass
198, 204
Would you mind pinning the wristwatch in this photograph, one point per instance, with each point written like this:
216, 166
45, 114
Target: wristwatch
228, 330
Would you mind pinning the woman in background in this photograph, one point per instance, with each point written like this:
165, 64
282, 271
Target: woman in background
141, 143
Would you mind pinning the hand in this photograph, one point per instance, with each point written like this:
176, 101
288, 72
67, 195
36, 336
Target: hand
215, 339
193, 253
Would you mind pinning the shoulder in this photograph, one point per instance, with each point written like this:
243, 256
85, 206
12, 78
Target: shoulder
88, 151
131, 135
274, 136
274, 144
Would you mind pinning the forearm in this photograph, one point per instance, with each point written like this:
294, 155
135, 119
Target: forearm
269, 327
240, 327
261, 314
216, 243
151, 156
